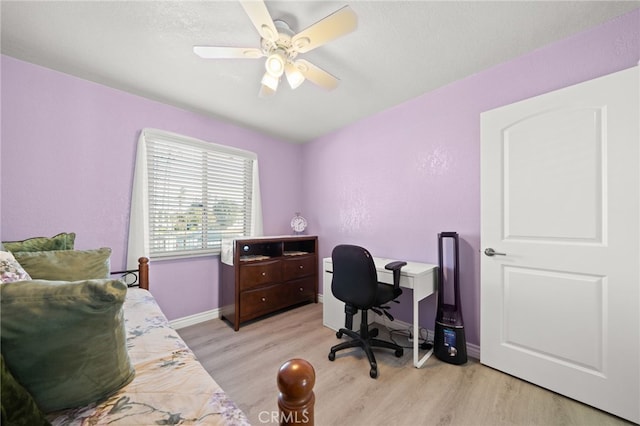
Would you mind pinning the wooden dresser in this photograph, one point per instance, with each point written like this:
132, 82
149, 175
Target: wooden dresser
262, 275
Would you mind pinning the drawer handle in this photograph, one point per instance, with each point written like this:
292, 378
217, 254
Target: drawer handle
264, 274
264, 299
301, 267
301, 289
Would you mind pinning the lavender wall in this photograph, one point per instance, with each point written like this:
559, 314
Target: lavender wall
68, 148
390, 182
398, 178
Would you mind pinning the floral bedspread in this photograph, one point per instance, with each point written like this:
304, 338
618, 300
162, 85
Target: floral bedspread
170, 386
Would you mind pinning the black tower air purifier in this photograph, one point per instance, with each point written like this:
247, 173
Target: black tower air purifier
449, 343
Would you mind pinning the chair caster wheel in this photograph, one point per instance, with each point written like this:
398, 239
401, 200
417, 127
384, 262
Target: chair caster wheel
339, 334
373, 373
332, 356
399, 352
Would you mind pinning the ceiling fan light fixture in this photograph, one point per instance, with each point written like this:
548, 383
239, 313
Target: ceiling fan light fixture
270, 81
275, 63
294, 76
265, 91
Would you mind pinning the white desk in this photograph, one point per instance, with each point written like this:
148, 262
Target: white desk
420, 277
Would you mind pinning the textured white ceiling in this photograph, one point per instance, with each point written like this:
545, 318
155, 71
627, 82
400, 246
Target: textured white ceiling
400, 50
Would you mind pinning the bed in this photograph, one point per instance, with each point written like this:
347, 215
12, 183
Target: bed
166, 385
170, 385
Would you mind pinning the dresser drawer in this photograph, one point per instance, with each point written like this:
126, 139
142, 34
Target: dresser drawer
257, 274
298, 267
254, 303
301, 290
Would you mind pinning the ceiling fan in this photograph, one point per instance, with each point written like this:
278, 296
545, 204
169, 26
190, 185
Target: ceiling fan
281, 46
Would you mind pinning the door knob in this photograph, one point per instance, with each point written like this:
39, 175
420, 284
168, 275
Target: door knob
491, 252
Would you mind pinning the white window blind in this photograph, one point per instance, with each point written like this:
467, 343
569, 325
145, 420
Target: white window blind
196, 194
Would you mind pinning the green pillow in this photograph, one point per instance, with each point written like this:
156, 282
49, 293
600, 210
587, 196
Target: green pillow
18, 407
65, 342
62, 241
66, 265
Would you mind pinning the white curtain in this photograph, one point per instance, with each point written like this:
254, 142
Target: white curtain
256, 203
139, 216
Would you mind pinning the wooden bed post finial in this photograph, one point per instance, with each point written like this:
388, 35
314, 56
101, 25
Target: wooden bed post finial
296, 378
143, 272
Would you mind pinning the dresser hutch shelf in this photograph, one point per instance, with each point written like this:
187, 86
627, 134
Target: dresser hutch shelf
262, 275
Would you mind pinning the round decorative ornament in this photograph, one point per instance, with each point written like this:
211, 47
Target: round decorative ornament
298, 224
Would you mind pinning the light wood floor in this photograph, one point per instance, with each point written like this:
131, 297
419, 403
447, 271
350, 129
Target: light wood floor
245, 364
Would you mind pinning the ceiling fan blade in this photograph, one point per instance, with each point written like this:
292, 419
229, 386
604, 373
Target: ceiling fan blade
316, 75
333, 26
260, 18
214, 52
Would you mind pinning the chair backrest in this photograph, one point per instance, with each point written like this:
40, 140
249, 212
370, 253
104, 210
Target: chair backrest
355, 280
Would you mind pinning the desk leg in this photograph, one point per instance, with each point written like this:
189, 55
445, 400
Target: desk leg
417, 297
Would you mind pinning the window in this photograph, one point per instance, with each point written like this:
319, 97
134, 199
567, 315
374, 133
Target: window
195, 193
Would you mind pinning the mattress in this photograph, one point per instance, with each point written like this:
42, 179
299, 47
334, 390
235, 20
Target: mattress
170, 385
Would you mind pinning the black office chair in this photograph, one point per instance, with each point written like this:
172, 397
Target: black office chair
355, 282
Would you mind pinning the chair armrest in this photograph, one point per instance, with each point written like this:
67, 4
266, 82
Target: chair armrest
395, 267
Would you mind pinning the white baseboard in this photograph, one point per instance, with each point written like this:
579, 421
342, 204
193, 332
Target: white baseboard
473, 351
195, 319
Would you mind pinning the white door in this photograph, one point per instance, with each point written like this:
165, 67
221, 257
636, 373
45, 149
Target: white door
560, 207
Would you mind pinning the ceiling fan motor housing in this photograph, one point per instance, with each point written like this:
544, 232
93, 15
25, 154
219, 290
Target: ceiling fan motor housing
283, 44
